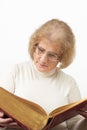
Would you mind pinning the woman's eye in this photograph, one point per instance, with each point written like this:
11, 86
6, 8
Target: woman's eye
40, 50
52, 55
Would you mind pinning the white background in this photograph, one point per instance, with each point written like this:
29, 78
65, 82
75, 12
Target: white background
19, 18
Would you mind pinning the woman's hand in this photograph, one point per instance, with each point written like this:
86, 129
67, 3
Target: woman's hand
7, 122
83, 113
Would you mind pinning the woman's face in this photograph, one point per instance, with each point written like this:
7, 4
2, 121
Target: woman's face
46, 55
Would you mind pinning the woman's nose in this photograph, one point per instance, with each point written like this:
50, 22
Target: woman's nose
44, 58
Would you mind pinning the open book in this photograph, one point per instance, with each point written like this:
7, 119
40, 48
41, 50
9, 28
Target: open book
31, 116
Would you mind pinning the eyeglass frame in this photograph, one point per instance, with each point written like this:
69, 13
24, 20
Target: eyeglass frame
52, 56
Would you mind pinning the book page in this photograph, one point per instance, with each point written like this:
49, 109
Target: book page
26, 113
33, 106
59, 110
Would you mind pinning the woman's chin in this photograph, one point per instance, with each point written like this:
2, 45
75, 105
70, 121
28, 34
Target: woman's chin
42, 70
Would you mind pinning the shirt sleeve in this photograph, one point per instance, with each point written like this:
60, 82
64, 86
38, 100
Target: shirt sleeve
7, 80
74, 92
3, 128
74, 95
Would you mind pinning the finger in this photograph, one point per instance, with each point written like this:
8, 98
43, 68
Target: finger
83, 113
1, 113
5, 120
14, 125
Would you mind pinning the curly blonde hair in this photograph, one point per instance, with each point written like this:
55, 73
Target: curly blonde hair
57, 31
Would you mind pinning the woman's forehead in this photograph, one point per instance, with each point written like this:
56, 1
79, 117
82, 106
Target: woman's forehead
50, 45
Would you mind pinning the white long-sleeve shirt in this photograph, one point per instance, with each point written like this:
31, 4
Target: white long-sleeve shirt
50, 90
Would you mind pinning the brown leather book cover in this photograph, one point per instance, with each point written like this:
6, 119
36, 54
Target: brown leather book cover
66, 112
31, 116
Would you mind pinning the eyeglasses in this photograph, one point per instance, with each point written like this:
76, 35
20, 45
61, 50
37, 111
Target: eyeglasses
50, 55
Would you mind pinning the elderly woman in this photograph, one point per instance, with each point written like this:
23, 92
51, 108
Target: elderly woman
41, 80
